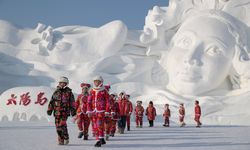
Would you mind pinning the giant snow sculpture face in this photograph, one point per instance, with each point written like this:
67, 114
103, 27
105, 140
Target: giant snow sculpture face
200, 58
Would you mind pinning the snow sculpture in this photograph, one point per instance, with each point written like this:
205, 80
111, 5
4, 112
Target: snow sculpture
47, 40
202, 45
40, 27
62, 40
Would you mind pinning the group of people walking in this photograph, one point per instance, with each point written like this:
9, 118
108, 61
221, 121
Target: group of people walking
151, 114
167, 115
94, 106
103, 111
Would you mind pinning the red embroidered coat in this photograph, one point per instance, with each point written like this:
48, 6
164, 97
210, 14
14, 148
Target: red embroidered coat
81, 103
124, 107
167, 113
62, 103
115, 110
98, 100
197, 110
130, 106
139, 110
151, 112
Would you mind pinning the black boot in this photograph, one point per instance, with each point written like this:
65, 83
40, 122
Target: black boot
80, 135
60, 141
149, 122
128, 128
122, 130
107, 137
85, 137
102, 141
98, 144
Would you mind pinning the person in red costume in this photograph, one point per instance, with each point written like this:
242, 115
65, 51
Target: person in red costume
139, 110
98, 108
115, 113
197, 111
107, 118
182, 115
83, 120
124, 111
62, 105
166, 115
130, 107
151, 113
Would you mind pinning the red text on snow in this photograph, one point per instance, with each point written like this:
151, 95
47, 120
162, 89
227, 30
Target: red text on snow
25, 99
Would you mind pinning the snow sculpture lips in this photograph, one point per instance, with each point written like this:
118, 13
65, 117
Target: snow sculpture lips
189, 76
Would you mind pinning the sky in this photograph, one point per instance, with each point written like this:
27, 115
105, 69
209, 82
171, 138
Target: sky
93, 13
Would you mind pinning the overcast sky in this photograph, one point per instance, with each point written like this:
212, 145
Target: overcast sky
93, 13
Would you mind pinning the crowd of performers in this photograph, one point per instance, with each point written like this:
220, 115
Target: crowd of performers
106, 113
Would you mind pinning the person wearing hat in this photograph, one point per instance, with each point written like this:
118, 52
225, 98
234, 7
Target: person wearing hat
139, 110
197, 111
124, 111
182, 115
151, 113
107, 87
98, 108
130, 109
107, 118
83, 120
62, 105
115, 113
166, 115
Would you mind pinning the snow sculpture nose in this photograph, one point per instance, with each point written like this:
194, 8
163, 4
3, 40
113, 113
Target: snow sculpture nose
193, 56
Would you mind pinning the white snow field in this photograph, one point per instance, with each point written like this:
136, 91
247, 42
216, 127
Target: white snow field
41, 136
33, 59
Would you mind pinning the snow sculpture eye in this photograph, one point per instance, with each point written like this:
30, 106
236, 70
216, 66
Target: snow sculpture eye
214, 50
183, 42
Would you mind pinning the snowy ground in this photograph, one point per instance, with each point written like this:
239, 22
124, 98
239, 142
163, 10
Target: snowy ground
41, 136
